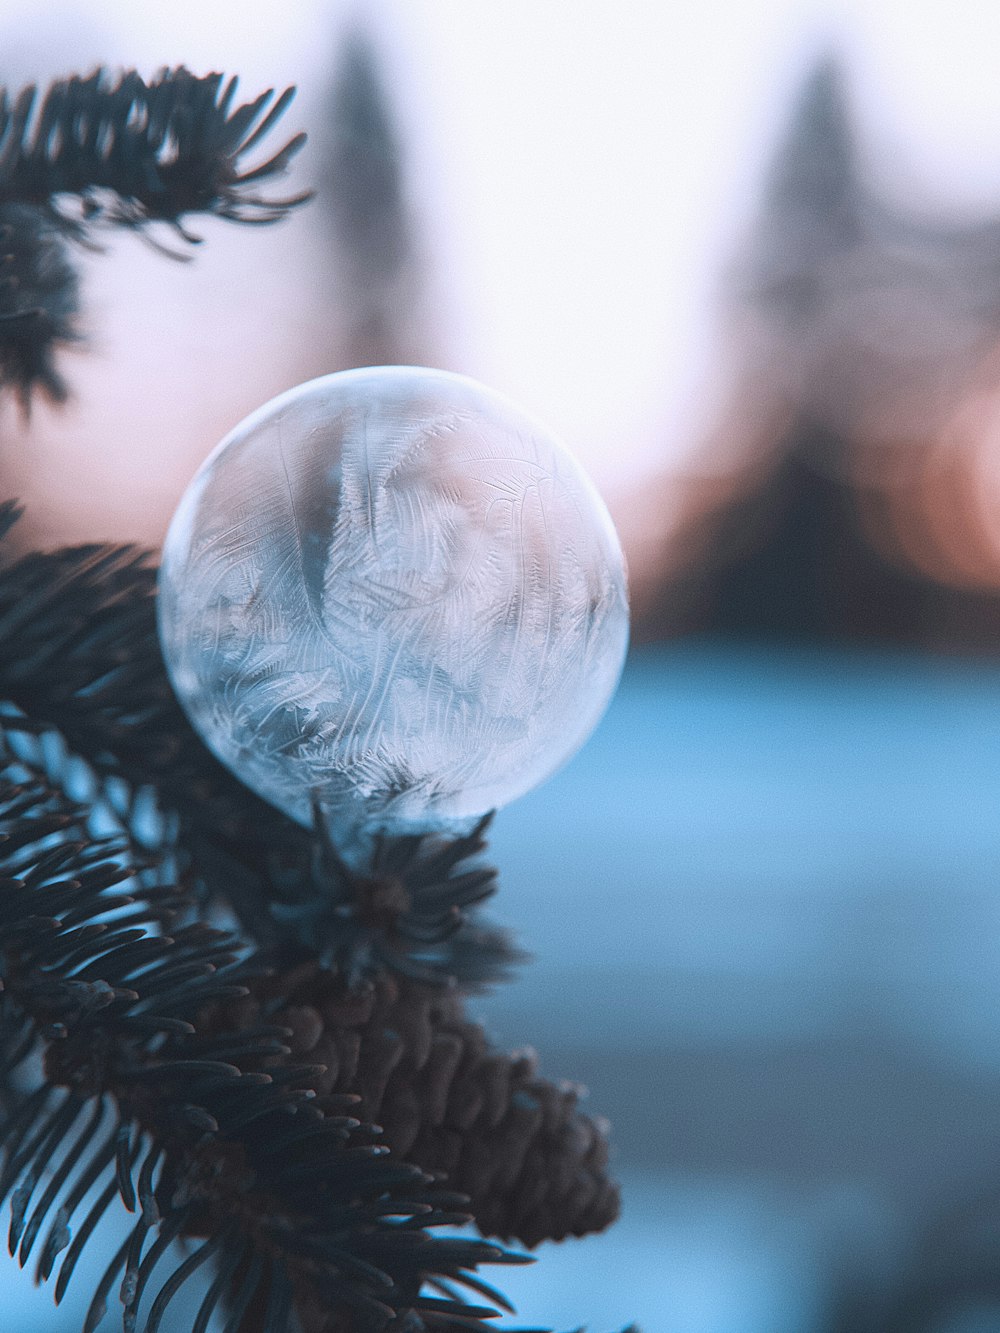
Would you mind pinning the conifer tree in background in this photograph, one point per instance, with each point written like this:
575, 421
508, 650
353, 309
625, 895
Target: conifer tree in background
380, 306
211, 1026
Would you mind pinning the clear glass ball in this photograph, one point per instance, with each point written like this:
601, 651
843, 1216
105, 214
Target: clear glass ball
390, 593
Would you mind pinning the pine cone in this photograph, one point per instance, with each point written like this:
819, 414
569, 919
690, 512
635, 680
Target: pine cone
532, 1164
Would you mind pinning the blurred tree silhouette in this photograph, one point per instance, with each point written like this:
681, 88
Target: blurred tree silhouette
862, 326
363, 198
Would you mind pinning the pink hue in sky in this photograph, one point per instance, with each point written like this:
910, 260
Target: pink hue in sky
582, 174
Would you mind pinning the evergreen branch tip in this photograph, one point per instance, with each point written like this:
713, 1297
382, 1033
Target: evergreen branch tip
134, 152
117, 152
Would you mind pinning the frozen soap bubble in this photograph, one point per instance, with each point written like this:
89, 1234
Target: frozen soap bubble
390, 593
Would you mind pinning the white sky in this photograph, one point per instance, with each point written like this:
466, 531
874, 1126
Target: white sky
585, 167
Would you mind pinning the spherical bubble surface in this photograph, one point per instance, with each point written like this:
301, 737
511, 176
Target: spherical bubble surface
390, 593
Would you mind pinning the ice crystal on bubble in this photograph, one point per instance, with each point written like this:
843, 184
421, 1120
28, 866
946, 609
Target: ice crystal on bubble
390, 594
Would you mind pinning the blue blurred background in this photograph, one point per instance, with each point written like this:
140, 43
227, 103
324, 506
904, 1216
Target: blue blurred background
767, 938
747, 261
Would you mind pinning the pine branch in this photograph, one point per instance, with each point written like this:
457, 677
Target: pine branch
218, 1138
82, 655
115, 152
413, 912
132, 152
38, 302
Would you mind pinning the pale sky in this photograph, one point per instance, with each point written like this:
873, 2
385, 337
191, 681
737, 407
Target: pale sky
583, 171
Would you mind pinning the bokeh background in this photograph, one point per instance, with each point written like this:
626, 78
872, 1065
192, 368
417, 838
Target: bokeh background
745, 258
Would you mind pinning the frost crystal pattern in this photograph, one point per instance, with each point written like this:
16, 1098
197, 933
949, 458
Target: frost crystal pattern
389, 592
